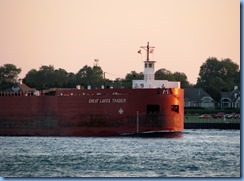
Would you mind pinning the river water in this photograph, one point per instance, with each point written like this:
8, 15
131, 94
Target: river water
197, 153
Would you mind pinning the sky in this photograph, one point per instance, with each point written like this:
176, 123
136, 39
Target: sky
70, 34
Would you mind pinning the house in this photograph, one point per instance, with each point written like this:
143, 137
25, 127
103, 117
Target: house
23, 88
231, 99
19, 89
197, 97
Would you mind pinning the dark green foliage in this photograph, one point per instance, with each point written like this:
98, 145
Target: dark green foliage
127, 82
71, 82
163, 74
48, 77
133, 75
90, 76
216, 76
8, 76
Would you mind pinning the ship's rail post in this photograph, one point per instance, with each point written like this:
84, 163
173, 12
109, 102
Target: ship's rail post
137, 122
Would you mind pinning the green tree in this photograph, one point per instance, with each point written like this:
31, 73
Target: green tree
133, 75
47, 77
44, 78
60, 78
97, 77
92, 76
164, 74
32, 79
8, 76
216, 76
84, 75
208, 71
71, 82
182, 78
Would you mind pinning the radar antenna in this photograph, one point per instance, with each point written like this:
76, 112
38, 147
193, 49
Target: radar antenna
149, 49
96, 62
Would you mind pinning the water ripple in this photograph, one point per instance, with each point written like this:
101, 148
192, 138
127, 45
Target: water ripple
198, 153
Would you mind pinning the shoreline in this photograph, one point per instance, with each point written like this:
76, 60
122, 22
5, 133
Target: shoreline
208, 125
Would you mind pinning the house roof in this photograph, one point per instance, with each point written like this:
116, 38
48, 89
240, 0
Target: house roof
21, 88
24, 88
195, 94
232, 95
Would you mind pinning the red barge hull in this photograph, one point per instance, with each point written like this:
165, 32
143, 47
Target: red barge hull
98, 112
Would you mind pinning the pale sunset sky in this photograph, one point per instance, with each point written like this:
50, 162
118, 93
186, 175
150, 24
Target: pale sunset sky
70, 34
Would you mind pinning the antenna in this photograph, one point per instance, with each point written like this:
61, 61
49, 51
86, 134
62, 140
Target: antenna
96, 62
149, 49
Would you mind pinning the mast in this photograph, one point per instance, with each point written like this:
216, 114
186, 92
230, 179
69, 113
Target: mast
148, 66
149, 49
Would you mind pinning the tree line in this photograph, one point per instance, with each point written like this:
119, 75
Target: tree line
49, 77
214, 76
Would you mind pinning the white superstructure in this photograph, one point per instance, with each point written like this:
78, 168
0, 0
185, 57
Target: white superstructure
149, 77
